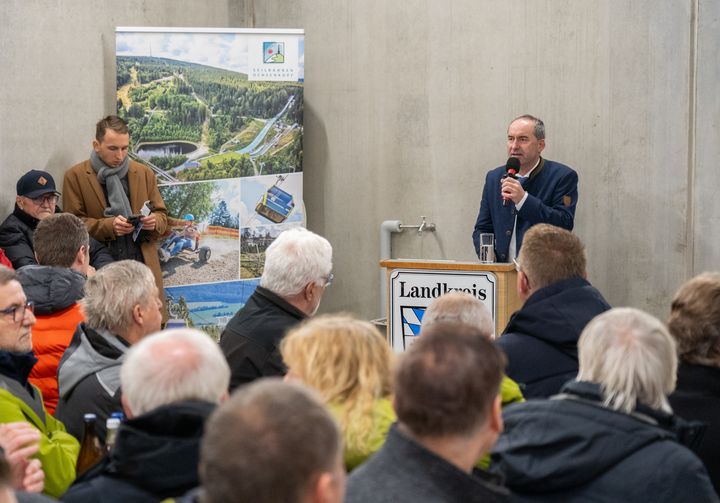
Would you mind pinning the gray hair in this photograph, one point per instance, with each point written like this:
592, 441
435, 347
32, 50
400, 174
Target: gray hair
632, 356
460, 307
296, 257
174, 365
539, 125
113, 292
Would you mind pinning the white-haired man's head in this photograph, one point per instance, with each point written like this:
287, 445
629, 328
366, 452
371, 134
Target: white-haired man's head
632, 356
172, 366
460, 307
298, 267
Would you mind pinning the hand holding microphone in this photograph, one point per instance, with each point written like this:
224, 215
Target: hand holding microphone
511, 188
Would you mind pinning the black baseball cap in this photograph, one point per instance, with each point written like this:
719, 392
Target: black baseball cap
35, 183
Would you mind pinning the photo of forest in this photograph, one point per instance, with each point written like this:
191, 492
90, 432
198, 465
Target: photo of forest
193, 121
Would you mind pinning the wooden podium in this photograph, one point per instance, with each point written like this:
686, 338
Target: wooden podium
413, 284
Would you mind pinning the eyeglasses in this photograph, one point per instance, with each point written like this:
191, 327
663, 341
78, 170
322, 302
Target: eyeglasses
45, 199
21, 309
517, 265
328, 280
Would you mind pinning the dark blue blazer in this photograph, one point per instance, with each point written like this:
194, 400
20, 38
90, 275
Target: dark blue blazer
552, 198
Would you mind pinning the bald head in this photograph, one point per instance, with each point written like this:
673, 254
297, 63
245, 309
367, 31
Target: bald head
460, 307
171, 366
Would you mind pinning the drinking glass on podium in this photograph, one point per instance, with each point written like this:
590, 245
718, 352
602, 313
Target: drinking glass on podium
487, 248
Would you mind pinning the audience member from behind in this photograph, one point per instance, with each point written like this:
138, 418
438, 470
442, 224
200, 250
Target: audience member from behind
461, 307
611, 435
271, 442
540, 339
349, 363
121, 306
448, 407
55, 286
36, 200
695, 324
171, 383
297, 270
20, 401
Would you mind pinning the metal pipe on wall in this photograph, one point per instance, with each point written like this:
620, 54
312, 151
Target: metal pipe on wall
387, 228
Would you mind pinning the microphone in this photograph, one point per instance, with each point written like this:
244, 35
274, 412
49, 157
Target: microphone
512, 167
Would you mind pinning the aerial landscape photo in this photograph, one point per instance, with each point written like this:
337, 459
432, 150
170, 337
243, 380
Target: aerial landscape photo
193, 121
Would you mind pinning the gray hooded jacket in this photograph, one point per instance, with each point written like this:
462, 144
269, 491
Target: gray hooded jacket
89, 379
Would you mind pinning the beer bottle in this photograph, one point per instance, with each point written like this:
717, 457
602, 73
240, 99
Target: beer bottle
112, 424
91, 450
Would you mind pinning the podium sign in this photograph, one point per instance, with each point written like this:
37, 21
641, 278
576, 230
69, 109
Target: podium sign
412, 291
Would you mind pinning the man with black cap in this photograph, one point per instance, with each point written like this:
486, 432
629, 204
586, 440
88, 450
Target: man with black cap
36, 200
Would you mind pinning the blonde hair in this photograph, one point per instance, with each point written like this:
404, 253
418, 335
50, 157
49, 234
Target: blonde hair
550, 254
348, 363
632, 356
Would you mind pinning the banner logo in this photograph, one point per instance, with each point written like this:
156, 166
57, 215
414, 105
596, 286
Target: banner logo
273, 52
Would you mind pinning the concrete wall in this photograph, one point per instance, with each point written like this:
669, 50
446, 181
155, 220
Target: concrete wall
57, 60
406, 108
706, 175
408, 104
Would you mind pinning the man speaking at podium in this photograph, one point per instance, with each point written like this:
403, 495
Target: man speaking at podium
528, 191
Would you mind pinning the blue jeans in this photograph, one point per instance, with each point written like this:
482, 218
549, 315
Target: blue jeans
179, 244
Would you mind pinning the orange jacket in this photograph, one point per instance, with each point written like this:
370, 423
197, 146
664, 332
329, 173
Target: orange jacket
51, 336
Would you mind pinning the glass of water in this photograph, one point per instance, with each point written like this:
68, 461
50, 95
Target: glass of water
487, 248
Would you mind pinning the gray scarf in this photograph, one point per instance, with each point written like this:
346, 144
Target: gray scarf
111, 178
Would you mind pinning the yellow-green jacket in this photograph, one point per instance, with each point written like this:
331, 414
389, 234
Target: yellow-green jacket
58, 449
384, 416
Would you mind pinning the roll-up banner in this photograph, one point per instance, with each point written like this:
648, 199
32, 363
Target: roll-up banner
218, 115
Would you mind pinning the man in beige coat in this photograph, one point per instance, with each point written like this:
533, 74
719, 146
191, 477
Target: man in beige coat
108, 191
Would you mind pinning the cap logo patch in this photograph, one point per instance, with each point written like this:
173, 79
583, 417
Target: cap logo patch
567, 200
42, 181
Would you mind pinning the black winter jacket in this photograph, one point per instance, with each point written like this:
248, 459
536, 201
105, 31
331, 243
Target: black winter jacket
155, 457
251, 338
540, 339
52, 289
697, 397
16, 237
573, 449
404, 471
